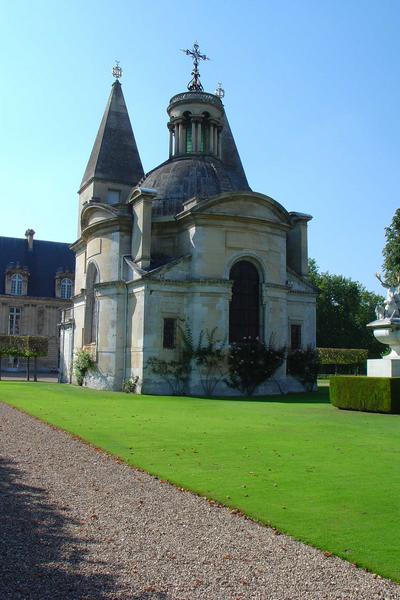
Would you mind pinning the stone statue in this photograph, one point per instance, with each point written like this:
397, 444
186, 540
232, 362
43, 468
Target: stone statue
390, 308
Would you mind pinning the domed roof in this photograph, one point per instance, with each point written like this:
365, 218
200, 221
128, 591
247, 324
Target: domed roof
182, 178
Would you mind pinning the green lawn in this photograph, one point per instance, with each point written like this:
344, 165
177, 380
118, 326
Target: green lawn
330, 478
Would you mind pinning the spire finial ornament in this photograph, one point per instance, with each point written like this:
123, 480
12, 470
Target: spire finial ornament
220, 92
194, 84
117, 71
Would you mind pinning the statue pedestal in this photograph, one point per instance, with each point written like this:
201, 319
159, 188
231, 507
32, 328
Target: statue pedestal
386, 331
383, 367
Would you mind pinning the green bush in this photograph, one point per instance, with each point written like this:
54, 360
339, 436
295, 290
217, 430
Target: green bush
250, 363
342, 356
370, 394
304, 366
23, 345
82, 364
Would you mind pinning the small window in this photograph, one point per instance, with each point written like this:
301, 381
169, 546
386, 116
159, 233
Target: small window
295, 337
113, 196
14, 321
16, 284
66, 289
169, 333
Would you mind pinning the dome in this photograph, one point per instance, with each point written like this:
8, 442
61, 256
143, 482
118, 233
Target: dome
182, 178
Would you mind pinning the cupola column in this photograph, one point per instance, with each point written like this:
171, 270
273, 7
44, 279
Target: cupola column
171, 139
196, 136
182, 132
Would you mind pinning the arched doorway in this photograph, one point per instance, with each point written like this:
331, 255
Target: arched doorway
244, 309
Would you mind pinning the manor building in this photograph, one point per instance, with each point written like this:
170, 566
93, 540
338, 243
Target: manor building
36, 283
187, 244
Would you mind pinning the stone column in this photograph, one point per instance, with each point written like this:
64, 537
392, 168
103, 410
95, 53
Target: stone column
181, 138
171, 140
216, 141
196, 138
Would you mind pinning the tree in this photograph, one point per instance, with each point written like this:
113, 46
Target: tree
391, 251
344, 307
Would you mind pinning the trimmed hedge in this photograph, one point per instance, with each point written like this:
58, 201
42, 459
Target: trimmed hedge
369, 394
342, 356
23, 345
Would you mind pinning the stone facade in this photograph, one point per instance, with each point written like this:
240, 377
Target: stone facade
167, 253
36, 284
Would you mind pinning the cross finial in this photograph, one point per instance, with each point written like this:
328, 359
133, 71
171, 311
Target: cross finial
117, 71
194, 84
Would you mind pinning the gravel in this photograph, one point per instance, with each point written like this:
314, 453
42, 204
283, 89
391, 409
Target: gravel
77, 524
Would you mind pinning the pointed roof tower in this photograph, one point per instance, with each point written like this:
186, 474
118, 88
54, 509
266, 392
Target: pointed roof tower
115, 157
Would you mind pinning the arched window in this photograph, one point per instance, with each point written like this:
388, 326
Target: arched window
16, 284
244, 310
66, 288
91, 308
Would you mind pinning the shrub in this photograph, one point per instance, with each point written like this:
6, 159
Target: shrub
336, 357
304, 366
250, 363
82, 364
210, 357
370, 394
130, 384
174, 372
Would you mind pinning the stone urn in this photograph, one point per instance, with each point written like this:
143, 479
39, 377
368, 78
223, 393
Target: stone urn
386, 331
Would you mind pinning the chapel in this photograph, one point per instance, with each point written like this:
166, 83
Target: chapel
187, 245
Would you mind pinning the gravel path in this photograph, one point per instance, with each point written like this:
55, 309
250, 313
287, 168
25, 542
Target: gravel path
76, 524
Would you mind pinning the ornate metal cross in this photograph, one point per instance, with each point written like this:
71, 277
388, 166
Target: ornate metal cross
117, 71
194, 84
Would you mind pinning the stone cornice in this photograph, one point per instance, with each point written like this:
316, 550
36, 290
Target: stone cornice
120, 223
205, 218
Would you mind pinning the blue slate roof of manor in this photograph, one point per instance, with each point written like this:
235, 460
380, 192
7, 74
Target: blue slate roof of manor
42, 262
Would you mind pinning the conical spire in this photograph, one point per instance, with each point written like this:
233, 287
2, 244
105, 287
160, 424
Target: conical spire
115, 156
230, 157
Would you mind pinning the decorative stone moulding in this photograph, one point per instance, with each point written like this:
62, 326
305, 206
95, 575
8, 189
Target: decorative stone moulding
387, 331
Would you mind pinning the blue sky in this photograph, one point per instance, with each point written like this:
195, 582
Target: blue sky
312, 95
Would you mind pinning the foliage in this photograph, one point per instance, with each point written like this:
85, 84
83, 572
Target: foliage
174, 372
211, 358
344, 307
304, 365
23, 345
342, 356
370, 394
391, 251
82, 364
250, 363
130, 384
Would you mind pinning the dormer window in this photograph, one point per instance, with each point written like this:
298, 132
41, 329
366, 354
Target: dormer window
66, 288
16, 284
64, 283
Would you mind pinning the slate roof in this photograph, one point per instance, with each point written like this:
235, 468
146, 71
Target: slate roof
42, 262
115, 156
